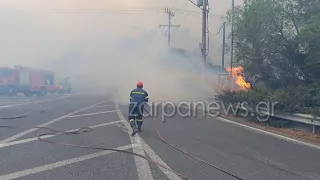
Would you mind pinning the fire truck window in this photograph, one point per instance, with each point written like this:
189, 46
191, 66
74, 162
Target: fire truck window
5, 73
49, 80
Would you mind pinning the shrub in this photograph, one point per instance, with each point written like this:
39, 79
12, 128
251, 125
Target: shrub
302, 99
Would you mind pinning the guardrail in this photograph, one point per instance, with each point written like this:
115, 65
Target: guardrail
295, 117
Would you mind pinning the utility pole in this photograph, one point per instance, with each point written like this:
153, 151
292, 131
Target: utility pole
232, 33
203, 44
169, 25
204, 31
223, 44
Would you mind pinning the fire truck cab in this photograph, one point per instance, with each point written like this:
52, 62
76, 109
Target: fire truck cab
28, 81
8, 80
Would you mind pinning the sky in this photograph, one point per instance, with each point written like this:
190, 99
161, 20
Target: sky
88, 38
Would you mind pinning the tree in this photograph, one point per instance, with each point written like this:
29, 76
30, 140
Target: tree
267, 40
310, 45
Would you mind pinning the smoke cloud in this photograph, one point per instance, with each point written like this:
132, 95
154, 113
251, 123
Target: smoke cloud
110, 50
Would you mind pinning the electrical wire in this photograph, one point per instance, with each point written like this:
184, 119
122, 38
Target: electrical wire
194, 4
123, 11
183, 9
197, 15
175, 3
217, 32
108, 10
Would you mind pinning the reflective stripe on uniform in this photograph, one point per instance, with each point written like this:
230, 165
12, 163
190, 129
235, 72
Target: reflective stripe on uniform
139, 120
147, 97
131, 120
137, 92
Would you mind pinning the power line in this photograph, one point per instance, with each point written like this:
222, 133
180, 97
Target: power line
193, 14
185, 5
183, 10
175, 3
194, 4
217, 32
61, 10
169, 25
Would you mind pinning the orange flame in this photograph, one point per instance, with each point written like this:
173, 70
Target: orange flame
237, 75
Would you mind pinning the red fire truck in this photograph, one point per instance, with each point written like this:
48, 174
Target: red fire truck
26, 80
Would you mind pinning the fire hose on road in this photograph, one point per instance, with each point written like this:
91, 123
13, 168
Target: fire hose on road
28, 114
24, 115
87, 129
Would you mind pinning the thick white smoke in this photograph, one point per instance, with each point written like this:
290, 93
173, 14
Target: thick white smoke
102, 50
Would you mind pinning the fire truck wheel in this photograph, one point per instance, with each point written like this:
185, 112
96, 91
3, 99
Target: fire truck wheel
42, 92
12, 92
27, 94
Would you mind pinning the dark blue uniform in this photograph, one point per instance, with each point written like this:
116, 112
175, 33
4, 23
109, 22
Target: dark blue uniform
138, 97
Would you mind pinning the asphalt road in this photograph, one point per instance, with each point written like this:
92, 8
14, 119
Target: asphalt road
239, 150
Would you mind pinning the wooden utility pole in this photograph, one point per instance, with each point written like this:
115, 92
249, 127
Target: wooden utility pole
204, 31
223, 44
232, 22
169, 25
203, 44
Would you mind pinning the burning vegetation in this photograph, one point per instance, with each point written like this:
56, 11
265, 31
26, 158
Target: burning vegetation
236, 82
237, 76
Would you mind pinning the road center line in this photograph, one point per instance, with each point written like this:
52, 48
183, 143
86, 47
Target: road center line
48, 136
33, 102
12, 138
61, 163
90, 114
142, 165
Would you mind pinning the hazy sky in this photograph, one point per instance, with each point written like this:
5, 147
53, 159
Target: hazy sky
30, 22
97, 42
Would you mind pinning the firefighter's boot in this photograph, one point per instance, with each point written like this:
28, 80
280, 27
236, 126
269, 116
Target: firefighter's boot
134, 127
139, 123
134, 131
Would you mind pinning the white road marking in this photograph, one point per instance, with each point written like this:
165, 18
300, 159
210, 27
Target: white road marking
33, 102
12, 138
107, 105
90, 114
48, 136
268, 133
60, 163
155, 157
142, 165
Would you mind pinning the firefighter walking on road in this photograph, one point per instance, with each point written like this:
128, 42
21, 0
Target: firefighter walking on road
138, 97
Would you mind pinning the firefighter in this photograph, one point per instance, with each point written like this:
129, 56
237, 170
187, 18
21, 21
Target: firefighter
138, 97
